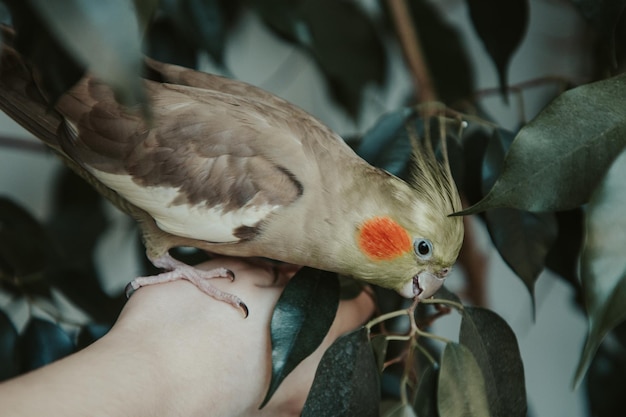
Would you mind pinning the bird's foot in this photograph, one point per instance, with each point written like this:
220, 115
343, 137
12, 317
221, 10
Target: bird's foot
177, 270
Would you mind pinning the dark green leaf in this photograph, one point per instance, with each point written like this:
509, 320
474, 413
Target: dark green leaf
166, 44
301, 319
350, 288
558, 159
495, 348
347, 382
59, 69
563, 258
501, 26
43, 342
523, 239
386, 144
606, 381
425, 402
604, 17
9, 354
90, 333
603, 264
475, 144
340, 36
104, 36
379, 346
461, 389
26, 249
201, 23
444, 51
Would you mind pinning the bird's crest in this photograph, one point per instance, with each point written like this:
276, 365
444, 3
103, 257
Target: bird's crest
431, 177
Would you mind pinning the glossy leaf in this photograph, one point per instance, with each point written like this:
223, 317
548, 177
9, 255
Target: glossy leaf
104, 36
474, 147
523, 239
386, 144
90, 333
26, 249
461, 390
347, 382
59, 69
340, 36
563, 257
201, 23
501, 26
43, 342
9, 354
558, 159
379, 347
604, 16
606, 380
425, 401
301, 319
603, 264
495, 348
166, 44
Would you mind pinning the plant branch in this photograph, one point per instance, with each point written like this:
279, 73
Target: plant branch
413, 52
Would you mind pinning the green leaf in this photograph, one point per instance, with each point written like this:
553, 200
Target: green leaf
58, 68
26, 249
379, 347
563, 257
166, 44
603, 264
201, 23
386, 144
43, 342
604, 16
523, 239
90, 333
557, 160
9, 354
495, 348
104, 36
606, 380
340, 36
347, 382
475, 143
461, 391
301, 319
444, 51
425, 401
501, 26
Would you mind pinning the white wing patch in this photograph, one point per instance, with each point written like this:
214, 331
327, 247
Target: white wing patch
211, 224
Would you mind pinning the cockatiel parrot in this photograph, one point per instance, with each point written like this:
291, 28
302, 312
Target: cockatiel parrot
231, 169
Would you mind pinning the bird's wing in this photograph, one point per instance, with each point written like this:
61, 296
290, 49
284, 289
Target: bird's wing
208, 165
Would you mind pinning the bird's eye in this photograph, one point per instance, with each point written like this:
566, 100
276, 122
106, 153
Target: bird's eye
423, 248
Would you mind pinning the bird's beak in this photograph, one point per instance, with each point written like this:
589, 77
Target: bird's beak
423, 285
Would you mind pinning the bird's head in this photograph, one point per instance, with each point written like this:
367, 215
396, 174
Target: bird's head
415, 244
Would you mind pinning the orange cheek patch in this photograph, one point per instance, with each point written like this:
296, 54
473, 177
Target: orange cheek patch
382, 239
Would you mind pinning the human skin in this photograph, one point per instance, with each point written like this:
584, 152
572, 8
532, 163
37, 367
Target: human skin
176, 352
